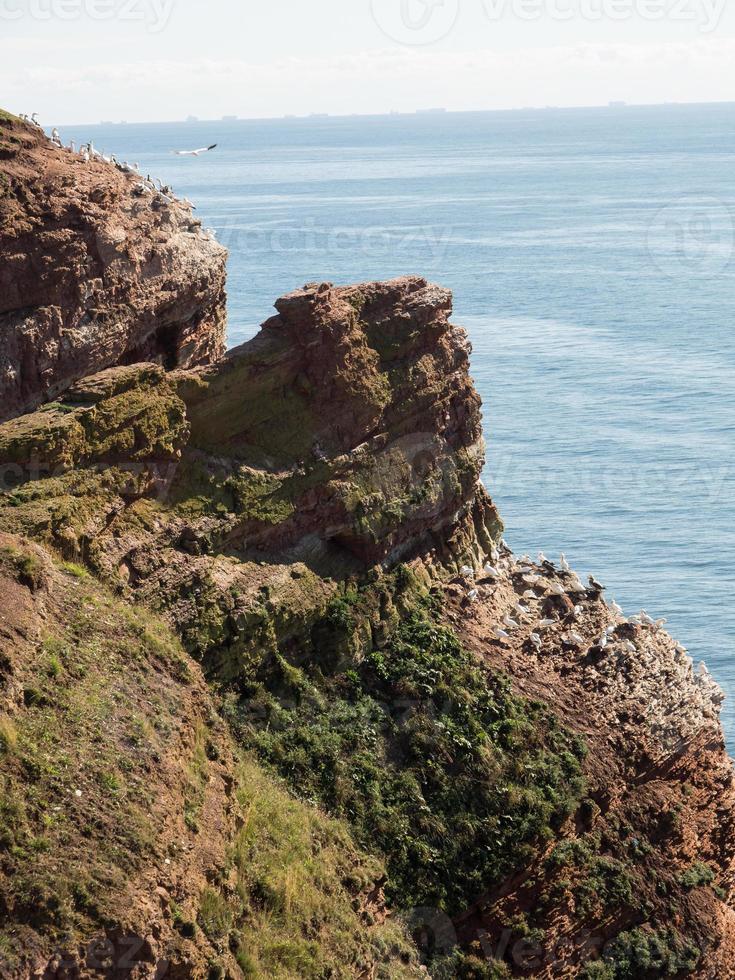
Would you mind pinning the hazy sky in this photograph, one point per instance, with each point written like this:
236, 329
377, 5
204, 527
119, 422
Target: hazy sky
87, 60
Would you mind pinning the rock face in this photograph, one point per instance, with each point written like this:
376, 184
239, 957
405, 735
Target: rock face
214, 567
95, 273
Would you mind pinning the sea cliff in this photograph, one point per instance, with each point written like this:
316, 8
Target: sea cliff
276, 699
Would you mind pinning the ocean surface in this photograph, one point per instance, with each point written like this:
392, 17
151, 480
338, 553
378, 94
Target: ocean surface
592, 257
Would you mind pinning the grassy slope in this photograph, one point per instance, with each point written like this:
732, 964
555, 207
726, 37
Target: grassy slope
118, 779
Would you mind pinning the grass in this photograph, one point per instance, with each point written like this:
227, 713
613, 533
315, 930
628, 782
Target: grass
8, 736
303, 888
83, 780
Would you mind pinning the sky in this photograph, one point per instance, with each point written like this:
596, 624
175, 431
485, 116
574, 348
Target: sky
84, 61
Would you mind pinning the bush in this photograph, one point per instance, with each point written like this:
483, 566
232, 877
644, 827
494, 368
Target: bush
640, 954
699, 874
430, 757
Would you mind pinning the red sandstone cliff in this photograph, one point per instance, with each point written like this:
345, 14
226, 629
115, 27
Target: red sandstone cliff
322, 480
95, 273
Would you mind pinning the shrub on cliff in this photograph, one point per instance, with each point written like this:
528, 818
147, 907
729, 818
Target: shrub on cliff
429, 756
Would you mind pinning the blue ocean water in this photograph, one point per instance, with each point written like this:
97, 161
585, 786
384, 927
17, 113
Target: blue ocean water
591, 253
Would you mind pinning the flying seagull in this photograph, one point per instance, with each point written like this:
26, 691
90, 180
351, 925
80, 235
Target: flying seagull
194, 153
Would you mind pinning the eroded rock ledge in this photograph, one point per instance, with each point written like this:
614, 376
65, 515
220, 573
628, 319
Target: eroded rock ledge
94, 273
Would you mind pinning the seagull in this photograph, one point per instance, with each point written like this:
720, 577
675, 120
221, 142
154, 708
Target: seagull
564, 564
598, 586
529, 594
521, 609
510, 623
603, 641
646, 619
34, 118
473, 595
542, 558
573, 639
492, 571
500, 634
532, 579
194, 153
466, 571
616, 608
557, 589
578, 610
660, 623
72, 146
546, 623
536, 640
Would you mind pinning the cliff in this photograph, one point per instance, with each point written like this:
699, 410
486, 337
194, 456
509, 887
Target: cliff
95, 271
280, 701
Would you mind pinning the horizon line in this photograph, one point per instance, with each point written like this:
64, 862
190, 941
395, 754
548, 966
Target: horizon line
408, 113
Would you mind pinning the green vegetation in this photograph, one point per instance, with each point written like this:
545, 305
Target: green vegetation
303, 894
146, 421
431, 759
27, 566
699, 874
115, 738
644, 955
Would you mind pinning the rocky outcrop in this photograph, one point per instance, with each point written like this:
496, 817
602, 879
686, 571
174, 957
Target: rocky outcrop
95, 271
301, 523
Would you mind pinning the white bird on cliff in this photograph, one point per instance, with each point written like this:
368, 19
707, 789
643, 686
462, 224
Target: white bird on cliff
466, 571
556, 589
491, 571
573, 639
521, 609
536, 640
532, 579
510, 623
529, 594
473, 595
546, 623
500, 634
616, 608
603, 641
564, 564
195, 153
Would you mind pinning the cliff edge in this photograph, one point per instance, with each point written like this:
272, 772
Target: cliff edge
95, 270
280, 701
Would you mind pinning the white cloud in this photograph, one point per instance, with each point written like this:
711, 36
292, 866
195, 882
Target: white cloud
398, 78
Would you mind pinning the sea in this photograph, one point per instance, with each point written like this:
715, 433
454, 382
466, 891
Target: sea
592, 256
